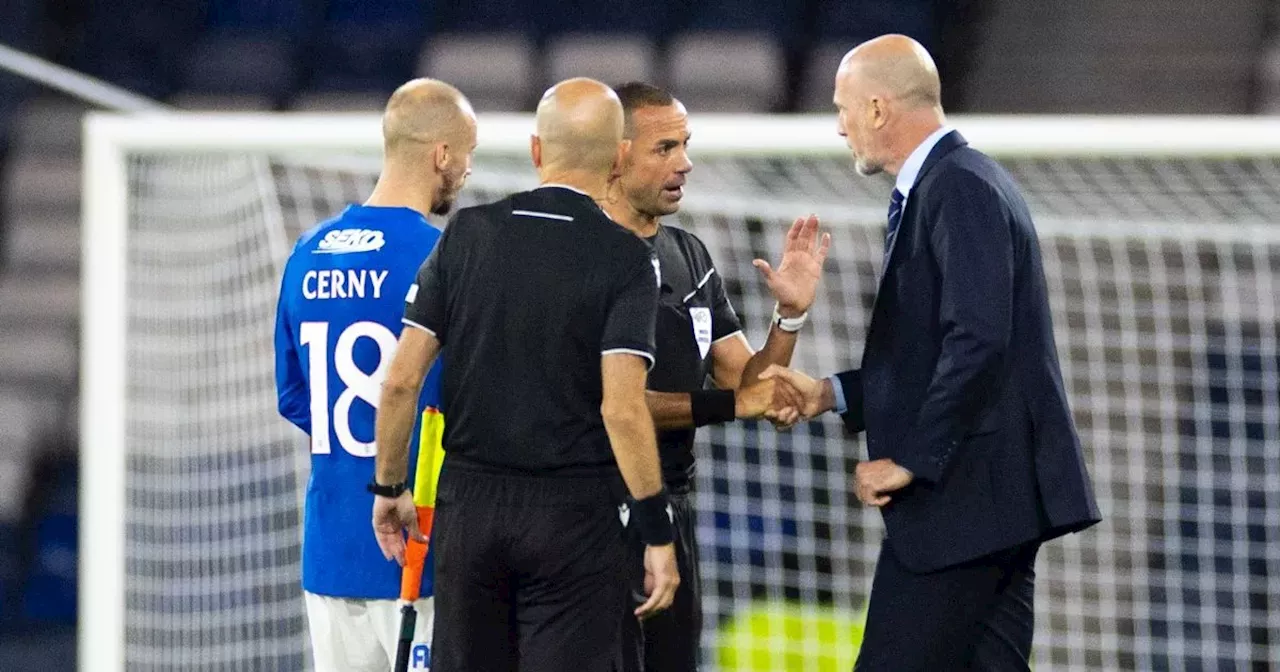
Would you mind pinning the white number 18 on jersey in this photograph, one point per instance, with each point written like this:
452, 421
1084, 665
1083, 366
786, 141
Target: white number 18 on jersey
358, 385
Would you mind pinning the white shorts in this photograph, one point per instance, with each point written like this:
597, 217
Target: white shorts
350, 635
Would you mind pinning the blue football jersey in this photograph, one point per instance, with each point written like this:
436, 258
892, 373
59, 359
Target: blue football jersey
337, 323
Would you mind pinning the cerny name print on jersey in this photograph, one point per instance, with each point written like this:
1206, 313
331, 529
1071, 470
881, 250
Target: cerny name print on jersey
343, 283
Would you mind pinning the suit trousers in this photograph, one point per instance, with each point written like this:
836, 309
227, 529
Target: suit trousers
978, 615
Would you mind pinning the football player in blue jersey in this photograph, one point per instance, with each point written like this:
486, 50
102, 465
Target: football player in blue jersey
339, 317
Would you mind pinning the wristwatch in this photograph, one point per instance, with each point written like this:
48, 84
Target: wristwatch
789, 324
391, 491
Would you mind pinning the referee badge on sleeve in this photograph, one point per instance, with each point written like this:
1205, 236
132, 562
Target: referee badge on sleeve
701, 329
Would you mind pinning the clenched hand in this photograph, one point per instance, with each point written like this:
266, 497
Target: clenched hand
872, 481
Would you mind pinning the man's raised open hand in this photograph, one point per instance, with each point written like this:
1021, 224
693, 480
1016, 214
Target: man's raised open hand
794, 284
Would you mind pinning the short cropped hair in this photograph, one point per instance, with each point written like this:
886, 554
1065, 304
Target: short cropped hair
639, 95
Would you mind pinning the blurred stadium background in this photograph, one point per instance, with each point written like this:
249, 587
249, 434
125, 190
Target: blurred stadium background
1191, 455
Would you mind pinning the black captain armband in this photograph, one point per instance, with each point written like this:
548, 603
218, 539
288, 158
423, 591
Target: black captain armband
653, 520
712, 407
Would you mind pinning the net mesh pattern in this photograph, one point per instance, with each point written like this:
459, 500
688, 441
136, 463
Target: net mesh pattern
1162, 275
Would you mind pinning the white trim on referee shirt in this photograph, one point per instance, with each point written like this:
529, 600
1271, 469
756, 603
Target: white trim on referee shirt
557, 185
543, 215
737, 333
629, 351
704, 280
419, 326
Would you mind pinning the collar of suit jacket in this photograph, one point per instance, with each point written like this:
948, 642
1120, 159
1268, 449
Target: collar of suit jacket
915, 162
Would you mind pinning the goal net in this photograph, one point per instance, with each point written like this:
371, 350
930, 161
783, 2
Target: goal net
1161, 243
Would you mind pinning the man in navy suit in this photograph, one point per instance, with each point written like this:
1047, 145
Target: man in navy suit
974, 459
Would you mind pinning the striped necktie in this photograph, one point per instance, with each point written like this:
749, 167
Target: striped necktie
895, 218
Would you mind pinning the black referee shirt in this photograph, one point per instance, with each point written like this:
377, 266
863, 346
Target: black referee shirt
693, 313
526, 294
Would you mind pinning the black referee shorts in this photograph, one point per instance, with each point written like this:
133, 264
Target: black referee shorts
530, 573
670, 640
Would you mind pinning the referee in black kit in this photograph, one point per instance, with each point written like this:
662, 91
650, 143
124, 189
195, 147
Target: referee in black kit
698, 336
546, 308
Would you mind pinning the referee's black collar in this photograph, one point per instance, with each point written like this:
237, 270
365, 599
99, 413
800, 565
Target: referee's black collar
557, 185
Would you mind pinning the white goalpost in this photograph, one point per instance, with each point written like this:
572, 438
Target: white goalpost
1161, 243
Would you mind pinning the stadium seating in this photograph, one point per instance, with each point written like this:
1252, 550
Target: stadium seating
358, 57
339, 101
613, 59
780, 21
818, 82
39, 357
39, 313
1269, 79
42, 244
856, 20
503, 79
248, 55
49, 595
9, 554
49, 127
839, 25
17, 434
141, 49
220, 66
19, 426
723, 55
650, 18
490, 16
281, 18
727, 72
1163, 55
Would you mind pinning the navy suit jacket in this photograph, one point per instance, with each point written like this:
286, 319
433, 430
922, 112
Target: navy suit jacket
960, 381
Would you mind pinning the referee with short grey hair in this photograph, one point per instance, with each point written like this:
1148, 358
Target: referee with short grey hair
545, 310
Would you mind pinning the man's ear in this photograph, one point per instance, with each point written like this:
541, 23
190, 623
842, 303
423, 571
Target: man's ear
441, 156
878, 111
620, 159
535, 150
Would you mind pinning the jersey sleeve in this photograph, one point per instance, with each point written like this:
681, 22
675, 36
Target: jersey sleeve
292, 396
427, 300
724, 320
629, 323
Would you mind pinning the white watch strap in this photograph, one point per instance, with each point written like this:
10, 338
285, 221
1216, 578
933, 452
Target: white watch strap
789, 324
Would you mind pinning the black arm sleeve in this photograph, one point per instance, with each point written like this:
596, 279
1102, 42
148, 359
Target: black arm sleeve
628, 326
724, 320
427, 301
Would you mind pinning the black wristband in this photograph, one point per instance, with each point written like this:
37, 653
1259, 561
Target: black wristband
711, 407
391, 491
652, 517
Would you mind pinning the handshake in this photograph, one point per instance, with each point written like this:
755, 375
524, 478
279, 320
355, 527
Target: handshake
784, 397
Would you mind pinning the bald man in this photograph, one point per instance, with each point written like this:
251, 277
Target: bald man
550, 305
975, 461
339, 313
